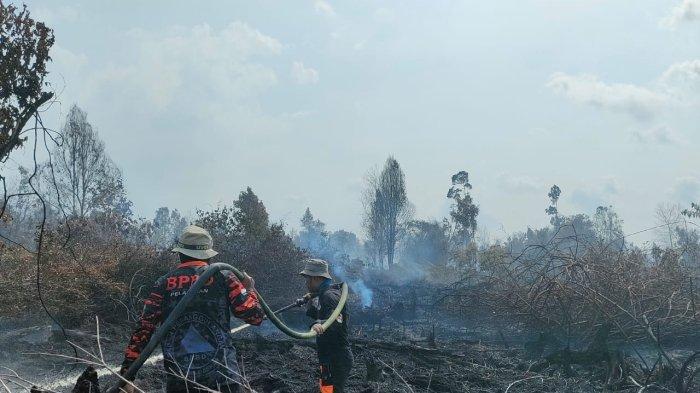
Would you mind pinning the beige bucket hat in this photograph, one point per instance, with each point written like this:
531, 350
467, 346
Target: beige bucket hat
195, 242
315, 268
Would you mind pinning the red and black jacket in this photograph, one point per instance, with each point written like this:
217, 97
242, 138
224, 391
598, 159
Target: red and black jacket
198, 346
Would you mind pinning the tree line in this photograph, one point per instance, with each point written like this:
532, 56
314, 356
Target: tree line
69, 219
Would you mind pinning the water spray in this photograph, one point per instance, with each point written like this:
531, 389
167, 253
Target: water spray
194, 290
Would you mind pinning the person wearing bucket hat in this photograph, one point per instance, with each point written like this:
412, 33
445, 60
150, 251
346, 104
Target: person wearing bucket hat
332, 345
198, 351
196, 243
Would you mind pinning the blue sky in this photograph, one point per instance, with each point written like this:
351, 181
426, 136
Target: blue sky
299, 99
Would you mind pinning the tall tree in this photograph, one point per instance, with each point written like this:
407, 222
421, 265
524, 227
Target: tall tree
608, 224
552, 211
245, 238
693, 211
167, 225
251, 214
375, 246
239, 229
24, 52
86, 178
688, 240
313, 236
389, 210
668, 217
463, 211
427, 243
344, 243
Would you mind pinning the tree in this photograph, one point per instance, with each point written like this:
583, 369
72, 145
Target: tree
22, 214
344, 243
375, 246
86, 178
244, 238
688, 240
251, 215
668, 216
388, 210
313, 236
24, 52
374, 251
607, 224
167, 226
426, 243
552, 211
463, 211
693, 212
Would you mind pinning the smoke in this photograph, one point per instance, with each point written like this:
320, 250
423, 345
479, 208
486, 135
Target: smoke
356, 285
365, 292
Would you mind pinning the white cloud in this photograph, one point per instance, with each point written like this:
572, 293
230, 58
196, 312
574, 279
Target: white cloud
539, 132
640, 102
588, 200
51, 16
685, 190
304, 75
659, 135
360, 45
322, 7
683, 81
683, 72
298, 115
686, 11
65, 69
611, 185
676, 87
67, 60
295, 204
384, 15
193, 90
190, 66
519, 183
600, 193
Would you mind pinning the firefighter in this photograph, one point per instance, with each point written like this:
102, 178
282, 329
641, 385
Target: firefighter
332, 345
198, 351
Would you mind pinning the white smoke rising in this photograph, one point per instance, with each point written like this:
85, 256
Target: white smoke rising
364, 291
358, 285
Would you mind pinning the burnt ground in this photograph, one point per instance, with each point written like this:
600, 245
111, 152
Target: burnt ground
281, 365
382, 366
390, 359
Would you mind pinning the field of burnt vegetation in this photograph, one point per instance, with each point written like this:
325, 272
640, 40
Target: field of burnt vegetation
571, 307
555, 316
435, 305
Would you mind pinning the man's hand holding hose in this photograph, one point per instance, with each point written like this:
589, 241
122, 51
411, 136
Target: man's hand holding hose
248, 282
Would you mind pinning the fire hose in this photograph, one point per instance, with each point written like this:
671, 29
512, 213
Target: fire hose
192, 293
297, 303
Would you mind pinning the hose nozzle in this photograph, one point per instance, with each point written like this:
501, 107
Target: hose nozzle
304, 299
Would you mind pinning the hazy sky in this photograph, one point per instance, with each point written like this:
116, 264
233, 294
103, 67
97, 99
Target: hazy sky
298, 99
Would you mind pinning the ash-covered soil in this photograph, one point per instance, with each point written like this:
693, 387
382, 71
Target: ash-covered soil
386, 360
